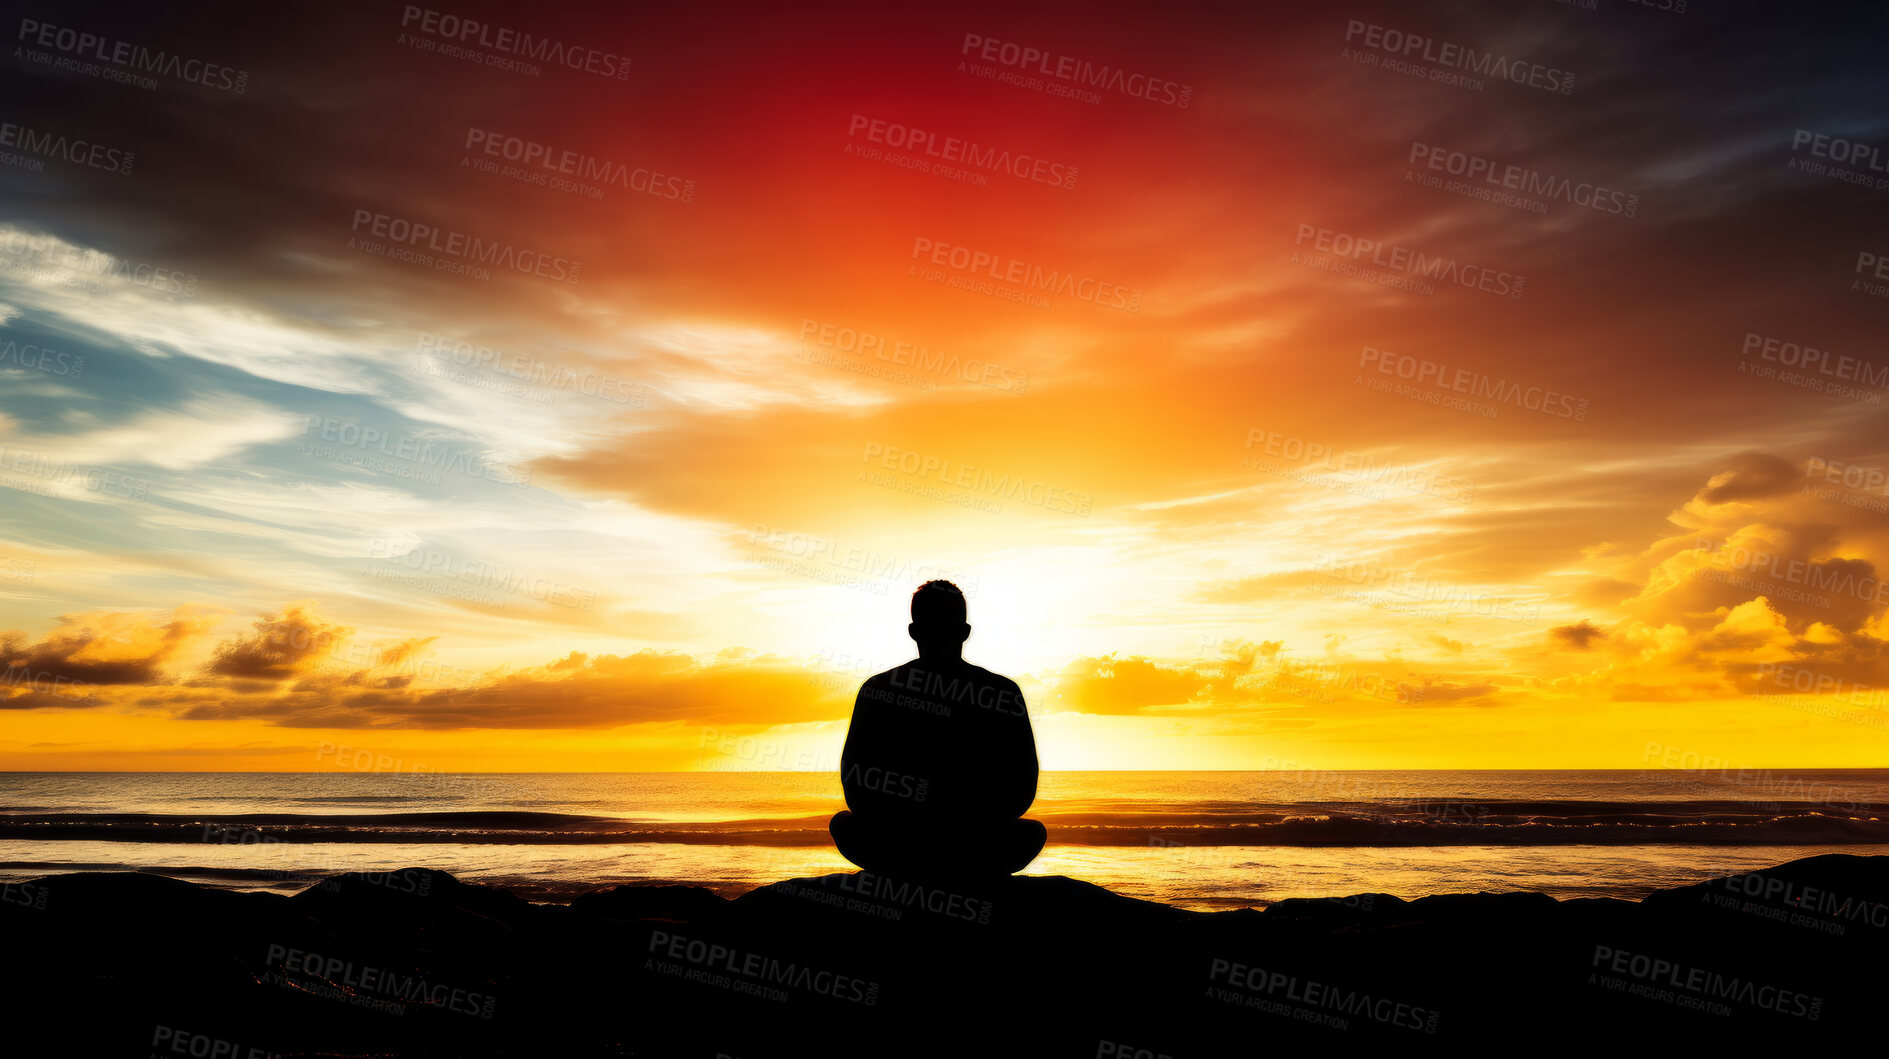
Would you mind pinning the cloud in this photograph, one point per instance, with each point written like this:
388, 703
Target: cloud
282, 646
1437, 639
1108, 685
1753, 476
198, 433
1238, 657
1256, 675
296, 669
1763, 572
1580, 636
404, 651
107, 648
1444, 691
578, 691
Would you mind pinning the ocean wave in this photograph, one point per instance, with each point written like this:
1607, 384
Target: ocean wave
1386, 823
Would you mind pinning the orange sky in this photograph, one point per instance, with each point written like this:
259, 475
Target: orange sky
1261, 431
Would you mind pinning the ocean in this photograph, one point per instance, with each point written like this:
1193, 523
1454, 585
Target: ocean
1203, 840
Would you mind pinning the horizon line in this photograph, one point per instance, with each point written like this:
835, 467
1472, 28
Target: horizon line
820, 772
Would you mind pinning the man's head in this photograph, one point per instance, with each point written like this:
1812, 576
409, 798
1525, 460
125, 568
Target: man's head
938, 624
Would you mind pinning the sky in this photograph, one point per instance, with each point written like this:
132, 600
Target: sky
1380, 386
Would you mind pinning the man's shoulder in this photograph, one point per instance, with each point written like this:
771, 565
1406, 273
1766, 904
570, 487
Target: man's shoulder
988, 677
917, 673
882, 686
888, 677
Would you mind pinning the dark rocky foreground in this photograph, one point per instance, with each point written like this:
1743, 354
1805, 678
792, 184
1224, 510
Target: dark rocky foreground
418, 963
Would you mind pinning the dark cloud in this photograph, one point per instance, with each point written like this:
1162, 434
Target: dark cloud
576, 692
1753, 476
98, 648
282, 646
1580, 635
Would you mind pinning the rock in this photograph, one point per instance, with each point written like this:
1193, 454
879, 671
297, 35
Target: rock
418, 963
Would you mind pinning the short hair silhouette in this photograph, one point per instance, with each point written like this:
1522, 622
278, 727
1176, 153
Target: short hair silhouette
938, 603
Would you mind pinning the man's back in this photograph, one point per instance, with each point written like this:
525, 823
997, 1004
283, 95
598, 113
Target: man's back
942, 740
940, 763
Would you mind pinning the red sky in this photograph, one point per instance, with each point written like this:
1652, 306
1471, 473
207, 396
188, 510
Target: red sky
1347, 415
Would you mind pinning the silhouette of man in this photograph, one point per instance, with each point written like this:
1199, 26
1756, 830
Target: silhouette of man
940, 763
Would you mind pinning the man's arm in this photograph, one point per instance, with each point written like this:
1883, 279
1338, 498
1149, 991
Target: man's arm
1017, 771
859, 744
879, 761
